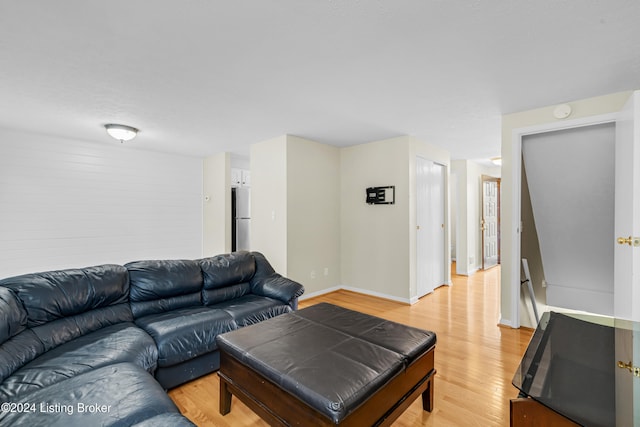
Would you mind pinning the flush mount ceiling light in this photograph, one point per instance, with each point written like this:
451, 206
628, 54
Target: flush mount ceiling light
121, 132
496, 161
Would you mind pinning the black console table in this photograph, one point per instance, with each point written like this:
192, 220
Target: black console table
579, 370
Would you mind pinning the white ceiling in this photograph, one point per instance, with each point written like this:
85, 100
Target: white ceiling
203, 76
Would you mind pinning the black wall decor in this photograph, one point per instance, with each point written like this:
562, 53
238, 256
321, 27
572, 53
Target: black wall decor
381, 195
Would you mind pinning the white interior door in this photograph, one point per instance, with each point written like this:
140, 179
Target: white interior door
490, 226
627, 261
430, 239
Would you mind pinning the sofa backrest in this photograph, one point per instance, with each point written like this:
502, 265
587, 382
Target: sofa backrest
40, 311
13, 321
13, 317
227, 276
162, 285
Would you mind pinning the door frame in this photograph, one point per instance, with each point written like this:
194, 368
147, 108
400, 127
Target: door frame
488, 178
445, 189
516, 179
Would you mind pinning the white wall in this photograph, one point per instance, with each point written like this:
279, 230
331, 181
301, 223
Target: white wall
379, 241
269, 223
453, 215
217, 204
67, 203
295, 209
310, 218
459, 171
240, 162
375, 238
313, 213
511, 123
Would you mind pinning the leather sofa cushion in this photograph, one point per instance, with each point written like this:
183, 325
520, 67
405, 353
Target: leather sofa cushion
13, 317
278, 287
185, 333
213, 296
129, 393
231, 276
31, 343
161, 285
57, 307
57, 294
124, 342
263, 267
250, 309
268, 283
18, 351
145, 308
227, 269
62, 330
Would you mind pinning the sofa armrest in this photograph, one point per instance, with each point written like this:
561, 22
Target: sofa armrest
278, 287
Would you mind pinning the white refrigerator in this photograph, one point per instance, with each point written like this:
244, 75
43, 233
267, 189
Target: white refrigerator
241, 218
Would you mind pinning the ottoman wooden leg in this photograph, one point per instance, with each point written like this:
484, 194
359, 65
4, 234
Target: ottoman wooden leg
225, 397
427, 397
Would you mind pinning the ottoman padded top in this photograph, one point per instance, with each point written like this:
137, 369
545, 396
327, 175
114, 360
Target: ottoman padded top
331, 358
408, 341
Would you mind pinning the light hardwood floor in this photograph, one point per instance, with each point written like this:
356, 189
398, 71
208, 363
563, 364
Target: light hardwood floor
475, 358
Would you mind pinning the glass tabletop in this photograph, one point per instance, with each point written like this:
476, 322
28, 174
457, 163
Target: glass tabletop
583, 367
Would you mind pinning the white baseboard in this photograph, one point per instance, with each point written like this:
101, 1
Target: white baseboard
506, 322
378, 294
359, 291
469, 272
319, 293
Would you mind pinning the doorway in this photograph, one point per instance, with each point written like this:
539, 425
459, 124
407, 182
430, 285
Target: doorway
570, 175
430, 228
630, 140
490, 222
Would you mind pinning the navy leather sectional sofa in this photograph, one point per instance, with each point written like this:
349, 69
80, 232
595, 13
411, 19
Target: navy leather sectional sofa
99, 345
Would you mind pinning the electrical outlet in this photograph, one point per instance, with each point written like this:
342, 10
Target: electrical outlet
326, 271
313, 274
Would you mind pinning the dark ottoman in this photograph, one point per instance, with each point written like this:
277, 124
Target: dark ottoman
326, 365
